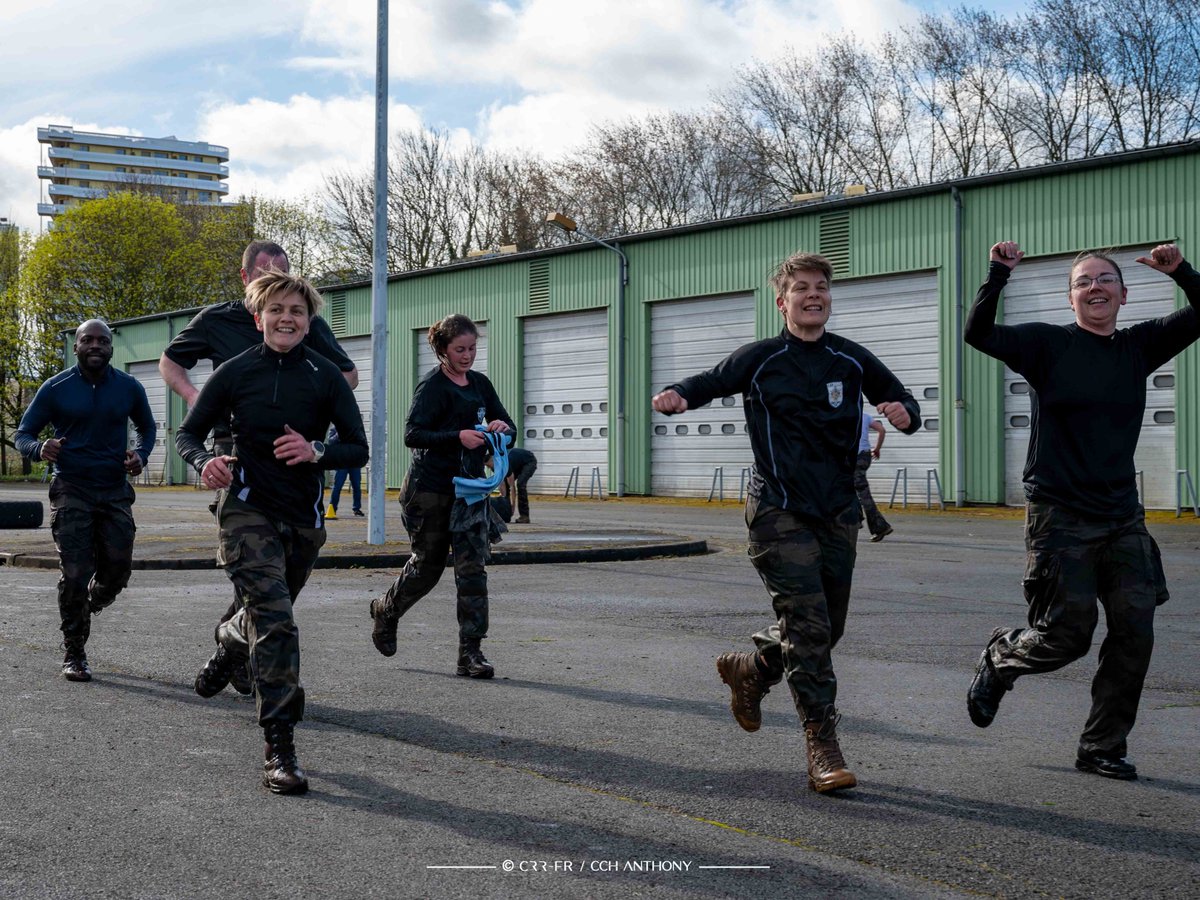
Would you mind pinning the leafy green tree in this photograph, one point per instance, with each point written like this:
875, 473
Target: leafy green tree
128, 255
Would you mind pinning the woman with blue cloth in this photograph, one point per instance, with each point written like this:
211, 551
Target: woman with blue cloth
451, 410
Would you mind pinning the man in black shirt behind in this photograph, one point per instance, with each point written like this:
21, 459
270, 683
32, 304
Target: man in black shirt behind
220, 332
802, 392
1085, 530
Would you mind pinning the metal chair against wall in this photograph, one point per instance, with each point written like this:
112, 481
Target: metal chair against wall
718, 484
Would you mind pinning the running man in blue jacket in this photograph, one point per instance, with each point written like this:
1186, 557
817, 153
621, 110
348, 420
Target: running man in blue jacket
91, 499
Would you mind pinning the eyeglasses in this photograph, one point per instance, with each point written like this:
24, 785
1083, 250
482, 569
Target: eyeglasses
1108, 279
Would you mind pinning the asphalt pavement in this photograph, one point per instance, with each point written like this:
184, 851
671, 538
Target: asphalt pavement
602, 761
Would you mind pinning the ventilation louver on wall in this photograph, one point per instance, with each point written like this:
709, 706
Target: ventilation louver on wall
335, 312
539, 285
835, 241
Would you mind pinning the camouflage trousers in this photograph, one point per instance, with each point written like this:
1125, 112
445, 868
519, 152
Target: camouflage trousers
94, 534
1072, 561
268, 562
876, 523
427, 517
807, 568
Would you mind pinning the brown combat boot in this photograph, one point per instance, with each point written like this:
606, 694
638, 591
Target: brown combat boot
747, 686
826, 767
281, 772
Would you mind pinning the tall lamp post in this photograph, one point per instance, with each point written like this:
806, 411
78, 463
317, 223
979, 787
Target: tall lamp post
567, 224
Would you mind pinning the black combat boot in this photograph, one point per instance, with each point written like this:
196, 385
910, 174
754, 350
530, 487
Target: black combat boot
211, 680
75, 663
987, 687
241, 680
383, 634
281, 772
471, 661
826, 767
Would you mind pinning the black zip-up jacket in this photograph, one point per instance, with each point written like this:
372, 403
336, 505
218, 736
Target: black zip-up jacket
440, 410
1087, 393
803, 405
262, 391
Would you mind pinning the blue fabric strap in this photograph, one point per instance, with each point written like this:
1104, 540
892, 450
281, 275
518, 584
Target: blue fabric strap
472, 490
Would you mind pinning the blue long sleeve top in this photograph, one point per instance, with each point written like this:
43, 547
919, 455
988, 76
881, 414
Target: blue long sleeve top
94, 420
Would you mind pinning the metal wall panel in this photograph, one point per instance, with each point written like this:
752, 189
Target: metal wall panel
156, 392
565, 421
896, 318
1037, 292
686, 337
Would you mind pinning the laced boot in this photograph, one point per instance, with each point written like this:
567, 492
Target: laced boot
211, 679
747, 685
471, 661
826, 767
987, 687
281, 772
75, 664
383, 634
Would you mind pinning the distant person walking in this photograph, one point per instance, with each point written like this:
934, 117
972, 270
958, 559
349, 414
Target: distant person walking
91, 499
876, 523
1085, 529
339, 480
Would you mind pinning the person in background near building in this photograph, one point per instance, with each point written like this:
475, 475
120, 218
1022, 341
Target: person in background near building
222, 331
91, 499
280, 398
876, 523
1085, 530
521, 466
339, 479
450, 401
801, 393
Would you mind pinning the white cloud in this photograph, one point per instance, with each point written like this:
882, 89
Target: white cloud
572, 64
285, 149
552, 123
69, 41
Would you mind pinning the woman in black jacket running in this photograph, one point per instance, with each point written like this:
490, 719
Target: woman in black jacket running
450, 401
282, 398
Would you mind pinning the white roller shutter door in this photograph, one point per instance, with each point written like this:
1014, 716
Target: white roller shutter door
1038, 292
198, 374
896, 318
566, 398
359, 351
156, 392
686, 337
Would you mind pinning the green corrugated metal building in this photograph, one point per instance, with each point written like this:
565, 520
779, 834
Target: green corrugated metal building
903, 257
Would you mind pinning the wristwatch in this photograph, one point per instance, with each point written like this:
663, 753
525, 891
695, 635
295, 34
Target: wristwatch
318, 449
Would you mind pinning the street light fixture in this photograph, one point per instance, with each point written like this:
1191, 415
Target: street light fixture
568, 225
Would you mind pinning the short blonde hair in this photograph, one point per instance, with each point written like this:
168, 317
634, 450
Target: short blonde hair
799, 262
273, 284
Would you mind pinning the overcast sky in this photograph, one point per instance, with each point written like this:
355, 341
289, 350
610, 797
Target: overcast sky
293, 96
